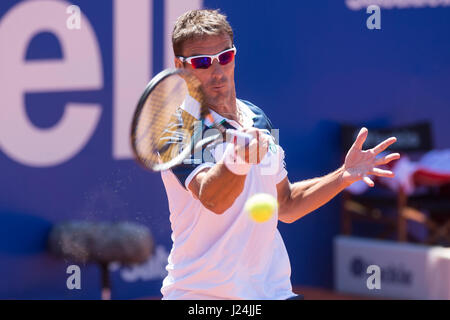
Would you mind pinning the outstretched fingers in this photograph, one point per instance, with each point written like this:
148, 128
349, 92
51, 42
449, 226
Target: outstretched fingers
384, 145
360, 139
368, 181
387, 159
381, 173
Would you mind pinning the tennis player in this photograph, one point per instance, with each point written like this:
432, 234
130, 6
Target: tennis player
218, 252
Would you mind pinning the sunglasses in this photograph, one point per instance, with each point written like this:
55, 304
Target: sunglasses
205, 61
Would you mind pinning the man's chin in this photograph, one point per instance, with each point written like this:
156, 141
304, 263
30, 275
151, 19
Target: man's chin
217, 98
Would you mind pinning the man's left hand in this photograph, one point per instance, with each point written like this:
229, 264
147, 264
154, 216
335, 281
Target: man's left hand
359, 164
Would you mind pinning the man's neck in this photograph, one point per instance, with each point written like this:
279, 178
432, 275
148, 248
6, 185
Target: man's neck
228, 110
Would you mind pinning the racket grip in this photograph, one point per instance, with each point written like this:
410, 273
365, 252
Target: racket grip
242, 136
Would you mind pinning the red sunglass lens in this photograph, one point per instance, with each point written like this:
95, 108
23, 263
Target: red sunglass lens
201, 63
226, 57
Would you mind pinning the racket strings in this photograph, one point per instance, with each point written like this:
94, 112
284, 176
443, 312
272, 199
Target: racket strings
164, 130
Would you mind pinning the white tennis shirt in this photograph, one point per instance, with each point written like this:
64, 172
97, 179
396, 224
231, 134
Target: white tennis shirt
226, 256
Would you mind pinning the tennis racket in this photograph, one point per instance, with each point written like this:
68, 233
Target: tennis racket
163, 133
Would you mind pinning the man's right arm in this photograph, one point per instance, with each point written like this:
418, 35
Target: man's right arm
217, 187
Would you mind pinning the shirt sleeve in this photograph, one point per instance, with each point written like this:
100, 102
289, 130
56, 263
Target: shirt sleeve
186, 172
282, 172
171, 140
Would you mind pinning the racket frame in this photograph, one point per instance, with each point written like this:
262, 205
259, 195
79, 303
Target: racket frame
195, 143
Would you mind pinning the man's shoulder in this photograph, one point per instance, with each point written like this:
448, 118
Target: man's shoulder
261, 120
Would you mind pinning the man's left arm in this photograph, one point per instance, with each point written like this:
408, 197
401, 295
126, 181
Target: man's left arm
298, 199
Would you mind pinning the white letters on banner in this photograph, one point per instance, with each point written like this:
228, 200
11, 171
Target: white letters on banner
81, 68
396, 4
132, 66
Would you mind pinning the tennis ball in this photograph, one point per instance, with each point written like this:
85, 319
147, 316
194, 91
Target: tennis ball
261, 206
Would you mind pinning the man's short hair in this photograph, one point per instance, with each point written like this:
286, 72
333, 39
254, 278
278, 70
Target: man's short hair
196, 24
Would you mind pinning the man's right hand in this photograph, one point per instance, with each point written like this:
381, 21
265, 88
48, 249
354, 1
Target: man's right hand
255, 151
217, 187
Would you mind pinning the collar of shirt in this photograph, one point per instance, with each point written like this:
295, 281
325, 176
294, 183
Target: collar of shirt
247, 115
192, 106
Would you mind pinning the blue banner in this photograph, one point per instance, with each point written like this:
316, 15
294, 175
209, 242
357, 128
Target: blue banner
70, 77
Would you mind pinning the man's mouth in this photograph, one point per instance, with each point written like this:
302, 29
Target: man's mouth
218, 87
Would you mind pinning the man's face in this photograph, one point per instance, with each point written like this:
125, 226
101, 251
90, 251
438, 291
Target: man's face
218, 80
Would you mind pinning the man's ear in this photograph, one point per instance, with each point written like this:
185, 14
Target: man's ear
178, 63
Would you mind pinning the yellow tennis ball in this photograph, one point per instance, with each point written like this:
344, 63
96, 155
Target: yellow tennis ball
261, 206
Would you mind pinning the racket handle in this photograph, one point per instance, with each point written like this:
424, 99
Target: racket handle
240, 135
219, 138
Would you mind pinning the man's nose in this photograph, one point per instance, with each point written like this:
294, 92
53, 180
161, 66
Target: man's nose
216, 68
